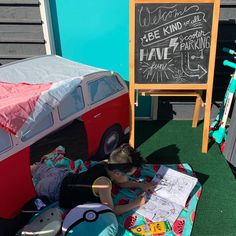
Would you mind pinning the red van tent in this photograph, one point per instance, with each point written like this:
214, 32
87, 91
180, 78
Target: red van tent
30, 89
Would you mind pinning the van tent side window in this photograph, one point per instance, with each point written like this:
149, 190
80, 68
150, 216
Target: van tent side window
73, 103
5, 141
102, 88
41, 125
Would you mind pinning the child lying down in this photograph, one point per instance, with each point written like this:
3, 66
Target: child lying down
95, 184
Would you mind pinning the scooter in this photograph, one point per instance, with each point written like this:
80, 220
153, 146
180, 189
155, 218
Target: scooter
218, 132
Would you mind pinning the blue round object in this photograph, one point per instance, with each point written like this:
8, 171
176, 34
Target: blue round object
92, 219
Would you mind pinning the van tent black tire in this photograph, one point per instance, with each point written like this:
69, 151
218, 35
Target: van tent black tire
110, 140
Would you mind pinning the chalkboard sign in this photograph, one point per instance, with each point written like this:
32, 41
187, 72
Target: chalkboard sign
172, 42
173, 47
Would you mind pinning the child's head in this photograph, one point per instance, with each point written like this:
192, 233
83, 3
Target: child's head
124, 161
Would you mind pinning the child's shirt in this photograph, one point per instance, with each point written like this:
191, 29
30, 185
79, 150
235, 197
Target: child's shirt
79, 188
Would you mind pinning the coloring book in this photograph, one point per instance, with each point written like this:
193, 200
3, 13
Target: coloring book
169, 197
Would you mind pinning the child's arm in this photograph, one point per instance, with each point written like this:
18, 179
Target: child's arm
104, 191
139, 201
146, 187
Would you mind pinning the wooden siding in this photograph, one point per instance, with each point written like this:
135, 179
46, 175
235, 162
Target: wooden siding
21, 33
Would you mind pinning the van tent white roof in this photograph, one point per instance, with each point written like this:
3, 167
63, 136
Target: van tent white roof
37, 85
44, 69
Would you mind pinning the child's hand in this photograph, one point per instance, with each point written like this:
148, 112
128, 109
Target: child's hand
141, 200
148, 187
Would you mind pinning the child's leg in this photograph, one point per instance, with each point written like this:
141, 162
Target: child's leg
48, 180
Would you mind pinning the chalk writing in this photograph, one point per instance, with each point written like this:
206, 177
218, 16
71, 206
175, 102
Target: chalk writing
172, 42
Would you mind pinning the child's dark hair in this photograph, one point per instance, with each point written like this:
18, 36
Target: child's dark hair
124, 158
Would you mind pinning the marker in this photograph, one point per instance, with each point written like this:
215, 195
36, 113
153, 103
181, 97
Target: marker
151, 228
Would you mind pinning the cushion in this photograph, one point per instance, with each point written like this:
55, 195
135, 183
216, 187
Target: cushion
47, 222
90, 219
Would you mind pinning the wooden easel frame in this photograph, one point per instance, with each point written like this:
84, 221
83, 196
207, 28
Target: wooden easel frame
175, 87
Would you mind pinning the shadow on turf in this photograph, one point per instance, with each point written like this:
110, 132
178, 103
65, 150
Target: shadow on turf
202, 178
145, 129
169, 155
165, 155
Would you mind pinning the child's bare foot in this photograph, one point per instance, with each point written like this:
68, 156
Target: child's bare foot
33, 167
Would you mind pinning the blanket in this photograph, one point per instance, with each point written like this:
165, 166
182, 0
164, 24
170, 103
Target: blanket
182, 226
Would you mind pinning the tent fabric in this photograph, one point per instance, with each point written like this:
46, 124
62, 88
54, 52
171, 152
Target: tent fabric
34, 87
17, 102
16, 184
44, 69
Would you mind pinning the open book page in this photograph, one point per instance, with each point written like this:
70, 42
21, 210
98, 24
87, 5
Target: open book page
159, 209
173, 185
169, 197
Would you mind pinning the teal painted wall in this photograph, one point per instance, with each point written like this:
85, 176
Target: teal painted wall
94, 32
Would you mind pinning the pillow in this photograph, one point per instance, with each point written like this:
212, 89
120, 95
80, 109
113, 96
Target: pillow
90, 219
46, 222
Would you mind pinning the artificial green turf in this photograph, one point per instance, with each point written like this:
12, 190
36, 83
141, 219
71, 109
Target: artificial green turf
177, 142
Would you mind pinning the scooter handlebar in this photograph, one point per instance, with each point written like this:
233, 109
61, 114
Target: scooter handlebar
229, 63
230, 51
